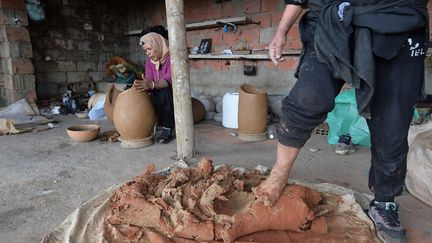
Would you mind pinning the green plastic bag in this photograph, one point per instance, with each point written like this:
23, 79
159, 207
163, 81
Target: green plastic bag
345, 119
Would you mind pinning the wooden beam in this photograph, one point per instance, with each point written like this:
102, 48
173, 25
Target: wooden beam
216, 23
239, 57
181, 82
133, 32
204, 24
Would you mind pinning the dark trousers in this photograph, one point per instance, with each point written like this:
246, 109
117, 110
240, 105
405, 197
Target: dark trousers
398, 85
163, 103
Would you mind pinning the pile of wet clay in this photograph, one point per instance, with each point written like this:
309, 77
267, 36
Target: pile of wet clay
204, 204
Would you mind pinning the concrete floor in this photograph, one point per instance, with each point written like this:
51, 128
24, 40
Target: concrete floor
44, 176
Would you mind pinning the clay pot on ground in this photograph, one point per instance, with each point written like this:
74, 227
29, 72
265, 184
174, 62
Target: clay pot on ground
134, 116
110, 101
209, 104
198, 111
83, 133
252, 113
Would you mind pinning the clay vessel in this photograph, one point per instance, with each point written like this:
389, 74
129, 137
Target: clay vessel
198, 110
134, 115
252, 112
110, 100
208, 103
83, 133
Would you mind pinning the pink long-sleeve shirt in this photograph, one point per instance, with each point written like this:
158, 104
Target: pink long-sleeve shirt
164, 72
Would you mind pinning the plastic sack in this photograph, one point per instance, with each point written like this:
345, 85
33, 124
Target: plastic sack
97, 112
345, 119
34, 10
419, 163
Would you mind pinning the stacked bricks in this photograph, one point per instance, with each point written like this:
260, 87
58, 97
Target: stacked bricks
17, 78
74, 42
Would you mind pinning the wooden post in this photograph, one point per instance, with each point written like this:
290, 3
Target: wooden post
180, 74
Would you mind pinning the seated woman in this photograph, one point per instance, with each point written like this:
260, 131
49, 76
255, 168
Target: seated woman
157, 81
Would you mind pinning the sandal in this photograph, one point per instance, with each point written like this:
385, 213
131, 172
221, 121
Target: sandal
165, 137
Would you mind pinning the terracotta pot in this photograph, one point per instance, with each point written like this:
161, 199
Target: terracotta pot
110, 100
208, 103
134, 115
83, 133
198, 110
252, 113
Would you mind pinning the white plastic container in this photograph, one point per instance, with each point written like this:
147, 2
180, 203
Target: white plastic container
230, 110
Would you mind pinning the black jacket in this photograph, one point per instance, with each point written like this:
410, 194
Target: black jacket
367, 20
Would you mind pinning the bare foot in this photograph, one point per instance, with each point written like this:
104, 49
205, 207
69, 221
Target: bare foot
269, 190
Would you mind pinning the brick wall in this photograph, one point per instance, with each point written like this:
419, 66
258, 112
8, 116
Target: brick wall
268, 12
217, 77
17, 78
66, 50
74, 42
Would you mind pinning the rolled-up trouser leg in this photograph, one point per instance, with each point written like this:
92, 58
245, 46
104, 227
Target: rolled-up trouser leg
309, 101
398, 85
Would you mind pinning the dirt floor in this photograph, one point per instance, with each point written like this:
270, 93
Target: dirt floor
44, 175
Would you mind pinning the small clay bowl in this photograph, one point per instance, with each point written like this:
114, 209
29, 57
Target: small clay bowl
82, 115
83, 133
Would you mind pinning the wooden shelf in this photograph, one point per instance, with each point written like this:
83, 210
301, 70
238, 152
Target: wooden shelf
239, 57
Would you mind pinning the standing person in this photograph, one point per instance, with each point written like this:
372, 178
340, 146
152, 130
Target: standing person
157, 80
378, 46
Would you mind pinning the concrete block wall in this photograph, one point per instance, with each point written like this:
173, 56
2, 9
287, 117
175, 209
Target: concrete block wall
17, 78
138, 14
75, 41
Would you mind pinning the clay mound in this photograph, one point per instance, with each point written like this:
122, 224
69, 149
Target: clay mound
203, 204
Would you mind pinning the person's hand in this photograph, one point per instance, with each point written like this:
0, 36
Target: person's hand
143, 85
275, 48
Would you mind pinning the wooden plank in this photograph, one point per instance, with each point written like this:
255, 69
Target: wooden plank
247, 57
202, 25
181, 81
214, 23
133, 32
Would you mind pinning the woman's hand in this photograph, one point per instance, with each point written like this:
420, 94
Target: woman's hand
143, 85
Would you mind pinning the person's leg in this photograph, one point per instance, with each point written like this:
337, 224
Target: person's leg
398, 85
303, 109
163, 103
166, 109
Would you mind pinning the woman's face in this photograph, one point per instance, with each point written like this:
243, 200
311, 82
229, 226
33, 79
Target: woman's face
151, 53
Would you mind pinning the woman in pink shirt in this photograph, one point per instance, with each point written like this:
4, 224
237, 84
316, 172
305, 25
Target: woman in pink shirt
158, 82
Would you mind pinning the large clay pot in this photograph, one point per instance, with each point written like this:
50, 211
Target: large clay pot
134, 115
252, 113
208, 103
110, 100
198, 110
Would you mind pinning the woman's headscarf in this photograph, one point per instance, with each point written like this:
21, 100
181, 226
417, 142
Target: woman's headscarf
158, 43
